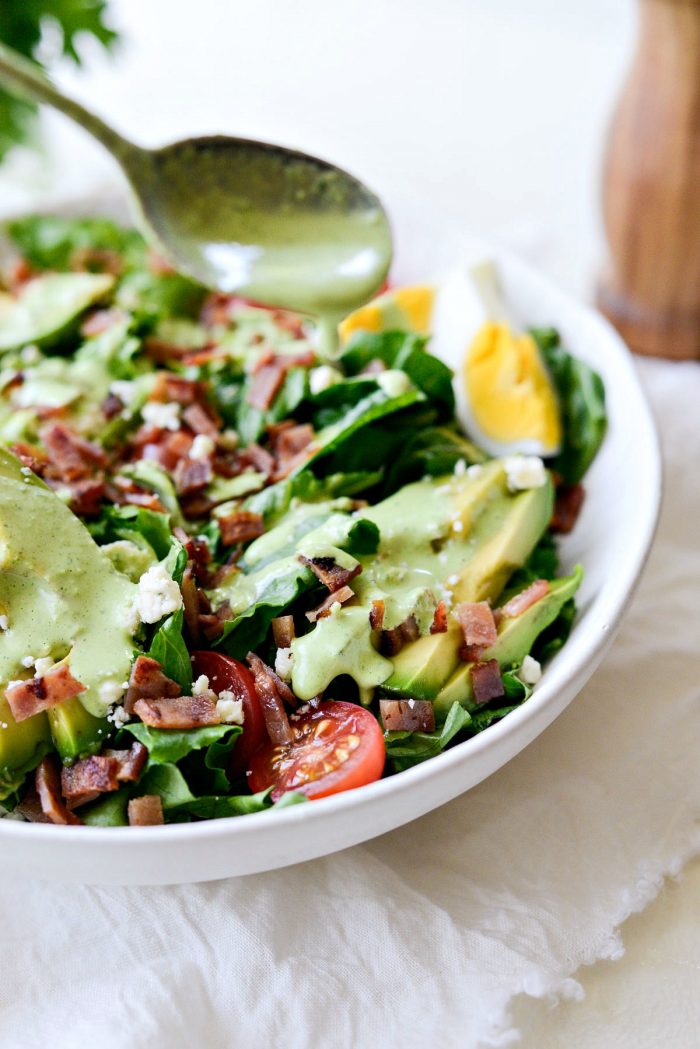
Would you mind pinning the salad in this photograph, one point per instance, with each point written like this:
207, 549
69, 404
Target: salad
237, 575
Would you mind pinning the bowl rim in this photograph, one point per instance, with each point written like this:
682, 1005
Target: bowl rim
578, 659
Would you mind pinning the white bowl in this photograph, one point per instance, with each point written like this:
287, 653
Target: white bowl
611, 540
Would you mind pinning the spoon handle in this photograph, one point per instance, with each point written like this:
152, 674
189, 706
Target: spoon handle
18, 74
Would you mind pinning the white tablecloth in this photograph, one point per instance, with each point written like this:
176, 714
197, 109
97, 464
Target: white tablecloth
450, 931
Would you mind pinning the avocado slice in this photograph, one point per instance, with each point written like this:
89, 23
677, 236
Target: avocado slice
21, 747
505, 528
50, 307
516, 637
76, 732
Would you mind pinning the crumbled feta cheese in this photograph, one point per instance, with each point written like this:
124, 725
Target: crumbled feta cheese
283, 663
118, 716
25, 471
525, 471
202, 447
530, 672
335, 608
27, 661
164, 416
111, 691
394, 382
460, 468
126, 391
42, 666
4, 623
457, 526
474, 471
411, 703
229, 709
201, 685
158, 595
323, 377
452, 580
30, 354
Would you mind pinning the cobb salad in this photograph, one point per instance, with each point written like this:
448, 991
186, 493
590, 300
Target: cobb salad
236, 573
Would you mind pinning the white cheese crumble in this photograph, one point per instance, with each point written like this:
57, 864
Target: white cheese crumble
126, 391
4, 623
457, 526
158, 595
530, 672
111, 691
394, 382
42, 666
474, 471
118, 716
284, 661
30, 354
27, 661
323, 377
460, 468
202, 447
164, 416
229, 709
452, 580
201, 685
524, 471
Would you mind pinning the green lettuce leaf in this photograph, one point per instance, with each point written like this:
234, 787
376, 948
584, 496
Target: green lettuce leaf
169, 649
405, 749
168, 746
406, 351
179, 803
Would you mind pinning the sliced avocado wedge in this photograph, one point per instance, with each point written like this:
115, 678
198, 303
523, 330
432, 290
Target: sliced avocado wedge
75, 731
516, 637
50, 307
21, 747
504, 529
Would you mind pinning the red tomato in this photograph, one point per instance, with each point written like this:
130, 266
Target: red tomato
336, 746
228, 674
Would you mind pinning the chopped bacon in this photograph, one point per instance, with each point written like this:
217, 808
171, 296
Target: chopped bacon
100, 321
167, 448
192, 475
30, 807
201, 420
190, 602
83, 781
290, 322
332, 575
217, 309
157, 264
267, 688
162, 352
30, 697
111, 406
267, 382
86, 496
259, 458
293, 447
487, 683
30, 456
478, 624
146, 811
211, 625
171, 387
147, 681
567, 507
324, 609
72, 455
525, 599
376, 615
48, 786
407, 715
96, 260
439, 624
392, 641
131, 762
20, 272
283, 631
181, 712
240, 527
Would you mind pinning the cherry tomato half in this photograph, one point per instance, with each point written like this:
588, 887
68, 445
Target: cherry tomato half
336, 746
226, 674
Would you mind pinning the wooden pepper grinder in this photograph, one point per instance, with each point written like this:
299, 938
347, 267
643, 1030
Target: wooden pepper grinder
651, 190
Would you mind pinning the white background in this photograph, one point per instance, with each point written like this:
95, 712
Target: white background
496, 108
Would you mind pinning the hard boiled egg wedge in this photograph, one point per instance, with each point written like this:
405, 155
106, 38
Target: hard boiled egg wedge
506, 401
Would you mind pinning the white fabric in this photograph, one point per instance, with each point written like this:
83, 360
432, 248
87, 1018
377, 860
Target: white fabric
425, 936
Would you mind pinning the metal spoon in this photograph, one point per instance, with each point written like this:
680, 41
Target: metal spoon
270, 223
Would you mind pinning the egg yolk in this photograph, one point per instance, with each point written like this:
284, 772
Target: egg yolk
509, 390
402, 309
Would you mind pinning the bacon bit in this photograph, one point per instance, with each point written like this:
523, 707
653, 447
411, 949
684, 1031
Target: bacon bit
290, 322
193, 475
162, 352
477, 623
86, 779
86, 496
240, 527
157, 264
324, 609
202, 420
217, 309
487, 682
30, 807
148, 500
21, 271
210, 625
146, 811
376, 615
525, 599
168, 448
30, 697
283, 631
96, 260
101, 321
407, 715
259, 458
190, 601
181, 712
276, 720
48, 787
35, 458
392, 641
196, 505
439, 624
169, 387
267, 383
72, 455
131, 762
112, 406
292, 447
147, 681
329, 573
567, 507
